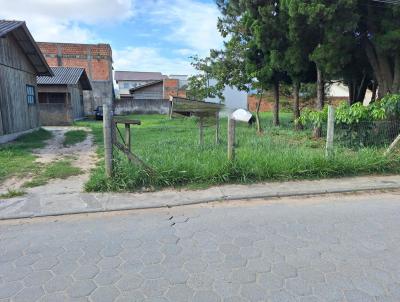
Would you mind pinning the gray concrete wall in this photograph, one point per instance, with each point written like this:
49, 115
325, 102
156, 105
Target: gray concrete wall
140, 106
102, 93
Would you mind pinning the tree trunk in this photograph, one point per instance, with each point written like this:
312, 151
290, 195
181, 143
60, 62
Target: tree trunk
396, 76
276, 104
374, 91
320, 99
362, 89
296, 107
320, 90
381, 66
258, 123
351, 92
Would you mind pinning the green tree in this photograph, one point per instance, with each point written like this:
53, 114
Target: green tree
379, 29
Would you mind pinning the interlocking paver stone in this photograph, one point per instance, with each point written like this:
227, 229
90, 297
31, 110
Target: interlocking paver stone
179, 293
81, 288
86, 272
37, 278
329, 251
29, 294
8, 289
104, 294
208, 296
58, 283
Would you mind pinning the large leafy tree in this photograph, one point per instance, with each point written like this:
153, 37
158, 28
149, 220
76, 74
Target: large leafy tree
260, 26
379, 30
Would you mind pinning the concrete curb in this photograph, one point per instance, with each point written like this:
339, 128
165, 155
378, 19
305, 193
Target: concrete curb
118, 202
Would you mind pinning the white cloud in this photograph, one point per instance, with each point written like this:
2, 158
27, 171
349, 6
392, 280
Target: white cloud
60, 20
190, 22
149, 59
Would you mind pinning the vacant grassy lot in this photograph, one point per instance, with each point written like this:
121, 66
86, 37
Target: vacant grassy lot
74, 137
16, 158
171, 148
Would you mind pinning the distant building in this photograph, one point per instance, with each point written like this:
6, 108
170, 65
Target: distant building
61, 96
147, 92
20, 62
234, 98
97, 61
127, 80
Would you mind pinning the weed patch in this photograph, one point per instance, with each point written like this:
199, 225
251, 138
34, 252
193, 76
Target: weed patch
11, 194
61, 169
74, 137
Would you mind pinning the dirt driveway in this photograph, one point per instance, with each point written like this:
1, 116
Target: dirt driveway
81, 155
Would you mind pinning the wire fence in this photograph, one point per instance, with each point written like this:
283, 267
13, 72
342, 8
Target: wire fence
367, 134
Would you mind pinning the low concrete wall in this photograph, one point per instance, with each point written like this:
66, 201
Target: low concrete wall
13, 136
54, 115
141, 106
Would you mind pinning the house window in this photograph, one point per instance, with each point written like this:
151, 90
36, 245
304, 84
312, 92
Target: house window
30, 94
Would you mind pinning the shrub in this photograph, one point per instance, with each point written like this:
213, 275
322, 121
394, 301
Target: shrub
357, 122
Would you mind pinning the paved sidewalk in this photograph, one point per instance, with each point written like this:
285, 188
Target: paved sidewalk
66, 200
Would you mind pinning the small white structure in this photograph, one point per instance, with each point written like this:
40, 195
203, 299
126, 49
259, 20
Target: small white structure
242, 115
234, 98
340, 90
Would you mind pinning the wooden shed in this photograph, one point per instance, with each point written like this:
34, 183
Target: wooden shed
61, 96
20, 62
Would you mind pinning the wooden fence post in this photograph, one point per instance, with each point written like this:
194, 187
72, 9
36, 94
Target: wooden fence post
128, 136
231, 138
392, 145
330, 132
201, 131
108, 140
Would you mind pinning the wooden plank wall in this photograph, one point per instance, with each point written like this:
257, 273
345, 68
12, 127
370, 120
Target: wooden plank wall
15, 73
76, 105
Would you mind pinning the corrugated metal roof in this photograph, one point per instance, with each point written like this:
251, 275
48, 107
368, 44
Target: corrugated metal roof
138, 76
25, 40
6, 26
66, 76
132, 90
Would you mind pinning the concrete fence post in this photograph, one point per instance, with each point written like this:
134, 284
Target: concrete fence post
231, 138
108, 140
330, 132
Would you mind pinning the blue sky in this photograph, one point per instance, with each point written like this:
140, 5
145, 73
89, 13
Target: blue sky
146, 35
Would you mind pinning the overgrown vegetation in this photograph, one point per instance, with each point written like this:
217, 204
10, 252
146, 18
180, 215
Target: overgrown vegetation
74, 137
11, 194
16, 158
60, 169
359, 125
171, 148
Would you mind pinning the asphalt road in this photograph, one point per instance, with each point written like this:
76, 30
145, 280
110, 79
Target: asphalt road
326, 248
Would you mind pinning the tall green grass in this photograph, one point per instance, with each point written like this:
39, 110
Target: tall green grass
16, 158
171, 148
73, 137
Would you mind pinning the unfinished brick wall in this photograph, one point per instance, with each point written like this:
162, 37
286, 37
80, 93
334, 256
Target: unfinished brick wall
252, 101
95, 58
97, 61
171, 87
